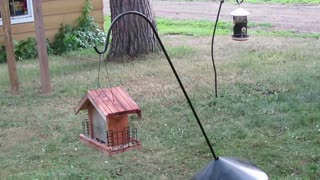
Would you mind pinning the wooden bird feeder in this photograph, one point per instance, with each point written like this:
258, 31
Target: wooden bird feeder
107, 127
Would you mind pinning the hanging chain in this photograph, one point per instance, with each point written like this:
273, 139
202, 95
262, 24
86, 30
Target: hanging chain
108, 77
100, 59
101, 56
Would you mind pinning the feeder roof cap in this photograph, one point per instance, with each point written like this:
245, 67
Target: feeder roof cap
239, 12
109, 102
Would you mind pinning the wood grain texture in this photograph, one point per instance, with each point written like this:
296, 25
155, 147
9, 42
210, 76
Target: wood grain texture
56, 12
129, 101
90, 117
118, 124
13, 76
99, 104
42, 48
111, 99
109, 102
52, 22
132, 35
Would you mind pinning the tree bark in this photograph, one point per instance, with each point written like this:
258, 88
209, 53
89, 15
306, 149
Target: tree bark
132, 35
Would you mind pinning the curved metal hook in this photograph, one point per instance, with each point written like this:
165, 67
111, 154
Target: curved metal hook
239, 2
171, 65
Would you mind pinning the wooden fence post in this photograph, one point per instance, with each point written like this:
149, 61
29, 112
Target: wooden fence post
42, 48
11, 61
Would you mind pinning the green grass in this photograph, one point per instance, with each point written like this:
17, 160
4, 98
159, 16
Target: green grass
267, 1
267, 112
190, 27
286, 1
205, 27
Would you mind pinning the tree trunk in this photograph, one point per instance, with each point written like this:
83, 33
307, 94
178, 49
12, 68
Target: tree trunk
132, 35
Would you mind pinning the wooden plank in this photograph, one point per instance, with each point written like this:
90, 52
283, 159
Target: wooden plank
49, 34
114, 99
99, 104
17, 37
118, 124
83, 104
56, 12
42, 48
121, 99
65, 7
128, 99
108, 102
90, 119
13, 76
54, 22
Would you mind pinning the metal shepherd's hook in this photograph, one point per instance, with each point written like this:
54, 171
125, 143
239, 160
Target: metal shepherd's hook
212, 58
170, 63
239, 2
221, 167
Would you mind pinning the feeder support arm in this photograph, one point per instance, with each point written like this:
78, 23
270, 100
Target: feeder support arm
212, 57
170, 63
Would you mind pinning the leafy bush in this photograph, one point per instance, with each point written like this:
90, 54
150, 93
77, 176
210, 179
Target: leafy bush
65, 40
24, 49
85, 34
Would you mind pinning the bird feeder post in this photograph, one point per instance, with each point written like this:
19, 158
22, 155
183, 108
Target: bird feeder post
5, 15
42, 48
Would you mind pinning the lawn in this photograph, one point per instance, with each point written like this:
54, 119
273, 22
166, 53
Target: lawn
267, 111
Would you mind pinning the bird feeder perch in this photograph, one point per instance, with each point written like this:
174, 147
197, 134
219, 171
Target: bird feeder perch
107, 127
240, 22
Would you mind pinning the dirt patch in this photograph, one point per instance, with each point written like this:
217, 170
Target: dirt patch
299, 18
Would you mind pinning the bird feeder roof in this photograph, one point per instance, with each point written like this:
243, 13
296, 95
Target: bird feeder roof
239, 12
109, 102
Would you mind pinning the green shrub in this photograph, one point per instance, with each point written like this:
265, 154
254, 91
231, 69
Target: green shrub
3, 55
24, 49
65, 40
85, 34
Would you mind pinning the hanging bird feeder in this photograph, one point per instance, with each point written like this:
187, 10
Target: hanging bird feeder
107, 128
240, 22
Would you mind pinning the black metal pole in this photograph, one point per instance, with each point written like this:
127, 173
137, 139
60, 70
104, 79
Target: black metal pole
212, 58
171, 65
239, 2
